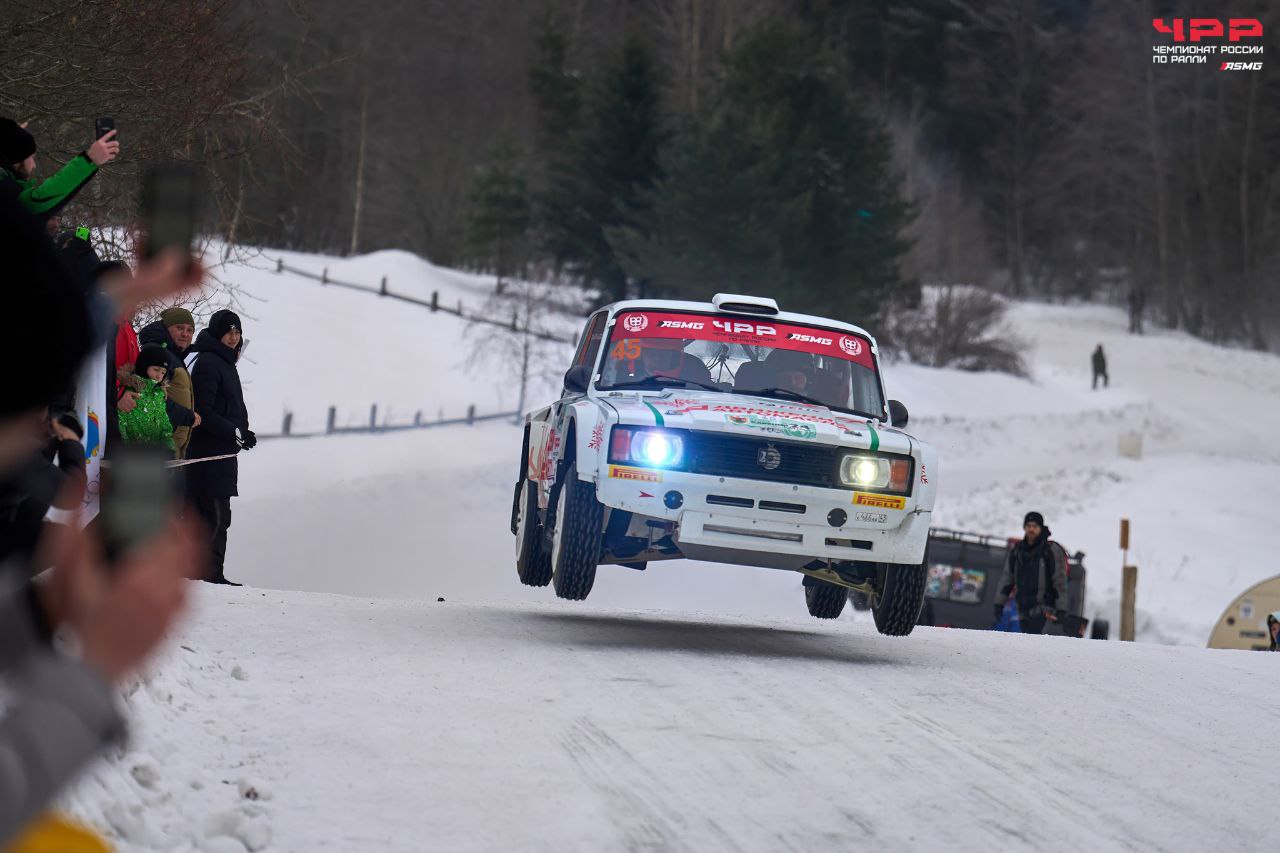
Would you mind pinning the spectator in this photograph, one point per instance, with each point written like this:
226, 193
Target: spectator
174, 331
147, 422
1100, 368
59, 711
1273, 630
224, 431
51, 479
46, 198
1035, 578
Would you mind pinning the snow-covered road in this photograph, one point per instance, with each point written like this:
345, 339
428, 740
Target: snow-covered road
381, 725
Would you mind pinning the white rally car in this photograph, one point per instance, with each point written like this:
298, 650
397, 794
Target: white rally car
732, 432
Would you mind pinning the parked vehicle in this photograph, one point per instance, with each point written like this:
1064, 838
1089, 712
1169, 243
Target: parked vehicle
734, 432
963, 575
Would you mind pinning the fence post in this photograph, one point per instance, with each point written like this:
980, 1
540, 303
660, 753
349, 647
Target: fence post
435, 300
333, 416
373, 418
383, 290
324, 276
515, 322
459, 307
287, 427
1128, 597
279, 265
471, 414
417, 418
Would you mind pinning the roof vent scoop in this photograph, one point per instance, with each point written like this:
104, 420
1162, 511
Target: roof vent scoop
739, 304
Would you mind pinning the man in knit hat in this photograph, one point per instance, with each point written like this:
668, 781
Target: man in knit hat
1035, 576
18, 169
224, 431
174, 331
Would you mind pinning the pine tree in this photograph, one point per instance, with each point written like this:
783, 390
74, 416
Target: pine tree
784, 189
501, 214
603, 185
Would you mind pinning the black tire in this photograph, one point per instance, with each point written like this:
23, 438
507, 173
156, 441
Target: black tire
825, 600
533, 561
897, 608
575, 536
1100, 630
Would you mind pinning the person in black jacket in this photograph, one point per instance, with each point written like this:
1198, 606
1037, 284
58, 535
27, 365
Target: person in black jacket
1036, 576
224, 430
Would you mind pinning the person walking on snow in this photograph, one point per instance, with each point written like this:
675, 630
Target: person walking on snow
1034, 576
1100, 368
224, 431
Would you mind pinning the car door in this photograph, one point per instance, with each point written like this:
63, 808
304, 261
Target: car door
546, 434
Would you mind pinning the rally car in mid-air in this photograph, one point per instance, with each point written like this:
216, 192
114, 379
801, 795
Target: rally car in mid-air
733, 432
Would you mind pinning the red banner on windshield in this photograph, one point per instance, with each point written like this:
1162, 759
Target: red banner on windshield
736, 330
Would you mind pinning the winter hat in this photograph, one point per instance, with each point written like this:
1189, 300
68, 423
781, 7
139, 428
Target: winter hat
71, 422
16, 144
1033, 516
177, 315
153, 356
224, 321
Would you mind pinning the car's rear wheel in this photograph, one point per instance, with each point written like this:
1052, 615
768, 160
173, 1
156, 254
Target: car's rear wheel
575, 537
896, 605
533, 563
824, 600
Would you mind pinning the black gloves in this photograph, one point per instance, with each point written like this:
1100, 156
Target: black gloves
246, 439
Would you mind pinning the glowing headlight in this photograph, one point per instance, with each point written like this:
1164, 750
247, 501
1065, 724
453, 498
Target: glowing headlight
651, 448
656, 449
890, 473
866, 471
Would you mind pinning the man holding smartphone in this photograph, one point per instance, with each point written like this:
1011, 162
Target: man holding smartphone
46, 198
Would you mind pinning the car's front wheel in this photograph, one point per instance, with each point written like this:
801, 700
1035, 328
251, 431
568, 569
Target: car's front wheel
896, 605
575, 538
533, 563
824, 600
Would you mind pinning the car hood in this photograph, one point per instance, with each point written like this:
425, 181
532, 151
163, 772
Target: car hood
759, 417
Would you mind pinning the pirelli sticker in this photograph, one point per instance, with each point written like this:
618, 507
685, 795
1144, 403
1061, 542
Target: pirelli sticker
879, 501
638, 475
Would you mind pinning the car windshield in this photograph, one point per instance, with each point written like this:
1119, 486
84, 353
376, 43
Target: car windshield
734, 355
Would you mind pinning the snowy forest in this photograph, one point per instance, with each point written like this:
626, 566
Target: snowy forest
835, 153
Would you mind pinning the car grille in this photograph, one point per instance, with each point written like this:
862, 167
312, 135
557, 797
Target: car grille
731, 456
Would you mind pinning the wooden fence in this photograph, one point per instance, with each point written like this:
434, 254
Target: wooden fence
434, 304
331, 426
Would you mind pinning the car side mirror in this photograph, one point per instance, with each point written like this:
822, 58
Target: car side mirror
897, 414
577, 378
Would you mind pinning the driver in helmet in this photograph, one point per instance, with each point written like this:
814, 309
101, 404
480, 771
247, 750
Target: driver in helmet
661, 357
789, 370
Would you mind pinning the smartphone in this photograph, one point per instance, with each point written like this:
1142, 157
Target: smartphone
139, 498
102, 126
171, 197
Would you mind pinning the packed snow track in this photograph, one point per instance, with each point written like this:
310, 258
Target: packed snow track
438, 726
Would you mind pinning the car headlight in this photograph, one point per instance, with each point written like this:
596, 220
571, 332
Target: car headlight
652, 448
885, 473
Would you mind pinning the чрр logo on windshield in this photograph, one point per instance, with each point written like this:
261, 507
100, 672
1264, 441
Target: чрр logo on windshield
636, 323
850, 346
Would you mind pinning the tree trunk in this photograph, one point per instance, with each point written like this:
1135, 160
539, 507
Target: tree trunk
359, 202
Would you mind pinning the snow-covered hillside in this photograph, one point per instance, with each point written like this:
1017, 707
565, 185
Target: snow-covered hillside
436, 704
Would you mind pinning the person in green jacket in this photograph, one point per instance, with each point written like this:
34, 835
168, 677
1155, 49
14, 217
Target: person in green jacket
18, 169
147, 422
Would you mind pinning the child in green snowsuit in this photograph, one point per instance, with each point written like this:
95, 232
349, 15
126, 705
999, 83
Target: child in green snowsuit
147, 422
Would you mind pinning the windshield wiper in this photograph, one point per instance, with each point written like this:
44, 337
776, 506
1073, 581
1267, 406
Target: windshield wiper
795, 395
656, 382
